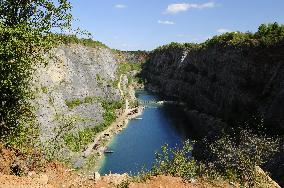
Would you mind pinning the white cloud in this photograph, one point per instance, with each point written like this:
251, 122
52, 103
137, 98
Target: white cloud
181, 7
120, 6
166, 22
223, 30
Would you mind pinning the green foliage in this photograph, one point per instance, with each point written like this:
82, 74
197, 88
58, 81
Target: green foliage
25, 35
77, 141
127, 67
44, 89
124, 184
52, 147
230, 157
229, 39
236, 156
73, 103
73, 39
77, 102
176, 45
100, 80
267, 34
42, 15
176, 162
270, 33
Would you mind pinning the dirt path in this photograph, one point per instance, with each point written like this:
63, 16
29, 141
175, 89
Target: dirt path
119, 86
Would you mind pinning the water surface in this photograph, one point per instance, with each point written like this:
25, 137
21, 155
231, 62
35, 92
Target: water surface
134, 148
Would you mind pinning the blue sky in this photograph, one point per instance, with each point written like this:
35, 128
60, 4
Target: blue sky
147, 24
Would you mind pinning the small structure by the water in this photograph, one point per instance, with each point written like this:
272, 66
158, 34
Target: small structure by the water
108, 151
107, 134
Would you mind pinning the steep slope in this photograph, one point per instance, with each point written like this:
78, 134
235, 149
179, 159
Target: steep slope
222, 84
75, 74
77, 96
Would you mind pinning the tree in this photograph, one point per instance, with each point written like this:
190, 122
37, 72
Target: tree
25, 35
38, 14
270, 33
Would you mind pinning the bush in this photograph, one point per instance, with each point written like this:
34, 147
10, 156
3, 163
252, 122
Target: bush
176, 162
236, 156
77, 102
233, 157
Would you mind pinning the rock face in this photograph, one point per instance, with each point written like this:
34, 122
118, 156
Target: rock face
76, 72
70, 90
222, 85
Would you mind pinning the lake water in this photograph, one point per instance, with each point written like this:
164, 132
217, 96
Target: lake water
134, 148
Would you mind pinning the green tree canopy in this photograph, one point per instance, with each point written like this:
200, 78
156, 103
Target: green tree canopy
270, 32
38, 14
25, 36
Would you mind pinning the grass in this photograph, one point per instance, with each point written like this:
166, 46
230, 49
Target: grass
77, 102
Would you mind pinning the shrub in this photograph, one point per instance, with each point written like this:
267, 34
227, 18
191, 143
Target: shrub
236, 156
77, 102
176, 162
233, 158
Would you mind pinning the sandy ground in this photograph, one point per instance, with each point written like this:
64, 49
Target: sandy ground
61, 178
173, 182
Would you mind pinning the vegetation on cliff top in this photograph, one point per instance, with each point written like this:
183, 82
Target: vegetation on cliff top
267, 34
73, 39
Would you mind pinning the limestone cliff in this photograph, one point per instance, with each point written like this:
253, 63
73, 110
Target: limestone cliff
70, 91
222, 84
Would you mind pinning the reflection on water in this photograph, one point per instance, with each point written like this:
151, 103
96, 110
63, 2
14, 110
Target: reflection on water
135, 146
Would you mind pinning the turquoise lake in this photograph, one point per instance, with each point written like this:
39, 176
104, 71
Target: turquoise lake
134, 148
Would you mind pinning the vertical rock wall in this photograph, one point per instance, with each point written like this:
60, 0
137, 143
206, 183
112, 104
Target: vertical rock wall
222, 84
